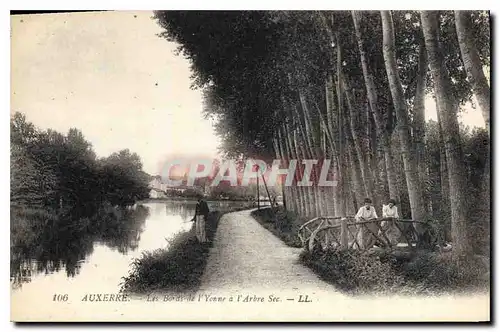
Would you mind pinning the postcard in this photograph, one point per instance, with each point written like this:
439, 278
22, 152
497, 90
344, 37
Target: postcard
263, 166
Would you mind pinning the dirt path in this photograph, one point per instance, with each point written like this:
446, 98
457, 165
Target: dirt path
246, 256
249, 268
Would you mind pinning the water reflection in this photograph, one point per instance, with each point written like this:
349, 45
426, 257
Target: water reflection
73, 254
56, 247
183, 209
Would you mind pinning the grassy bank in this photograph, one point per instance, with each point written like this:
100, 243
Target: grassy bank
285, 225
179, 267
355, 272
427, 273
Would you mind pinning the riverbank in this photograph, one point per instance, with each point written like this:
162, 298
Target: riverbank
355, 273
178, 267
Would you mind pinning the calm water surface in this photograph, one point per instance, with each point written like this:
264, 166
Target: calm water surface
96, 259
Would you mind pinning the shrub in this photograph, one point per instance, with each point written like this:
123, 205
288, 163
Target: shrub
437, 272
177, 267
425, 273
353, 271
286, 228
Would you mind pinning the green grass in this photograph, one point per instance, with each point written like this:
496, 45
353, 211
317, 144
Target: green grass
286, 228
427, 273
355, 273
178, 268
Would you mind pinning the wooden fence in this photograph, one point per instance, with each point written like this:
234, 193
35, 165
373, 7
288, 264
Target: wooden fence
347, 233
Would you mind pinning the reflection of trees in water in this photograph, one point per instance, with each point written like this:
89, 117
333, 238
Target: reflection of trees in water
66, 245
125, 236
49, 253
184, 210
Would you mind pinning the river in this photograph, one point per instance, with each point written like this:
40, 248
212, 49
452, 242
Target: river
69, 262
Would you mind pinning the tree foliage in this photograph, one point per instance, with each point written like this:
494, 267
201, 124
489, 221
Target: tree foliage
52, 170
265, 74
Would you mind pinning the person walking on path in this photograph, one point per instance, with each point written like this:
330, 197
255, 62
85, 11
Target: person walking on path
200, 219
365, 236
389, 226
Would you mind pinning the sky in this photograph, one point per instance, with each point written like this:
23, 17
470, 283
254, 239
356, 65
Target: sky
109, 75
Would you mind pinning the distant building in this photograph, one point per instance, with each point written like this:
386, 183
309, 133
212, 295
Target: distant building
155, 193
158, 184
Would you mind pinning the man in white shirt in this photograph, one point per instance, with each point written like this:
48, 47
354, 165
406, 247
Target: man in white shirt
367, 212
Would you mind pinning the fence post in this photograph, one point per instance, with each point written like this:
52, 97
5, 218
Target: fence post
344, 241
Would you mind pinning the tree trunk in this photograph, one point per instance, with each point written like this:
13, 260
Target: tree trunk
447, 109
337, 135
341, 141
357, 184
328, 148
330, 101
371, 91
480, 87
293, 199
313, 152
292, 153
389, 168
409, 159
278, 155
288, 197
472, 63
419, 116
328, 207
299, 142
445, 212
304, 149
362, 157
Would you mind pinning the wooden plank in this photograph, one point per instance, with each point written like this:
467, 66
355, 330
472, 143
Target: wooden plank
385, 235
375, 235
405, 235
344, 240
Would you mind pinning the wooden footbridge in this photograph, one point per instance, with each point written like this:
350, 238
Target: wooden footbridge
344, 233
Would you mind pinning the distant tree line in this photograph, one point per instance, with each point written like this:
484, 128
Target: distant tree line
61, 172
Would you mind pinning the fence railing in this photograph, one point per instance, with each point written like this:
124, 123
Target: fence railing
347, 233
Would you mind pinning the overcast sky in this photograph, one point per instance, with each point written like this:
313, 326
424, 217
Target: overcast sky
109, 75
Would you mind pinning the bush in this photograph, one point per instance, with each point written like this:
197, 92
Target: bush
286, 228
437, 272
353, 271
425, 273
178, 267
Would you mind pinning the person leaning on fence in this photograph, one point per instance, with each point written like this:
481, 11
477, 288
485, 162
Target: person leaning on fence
389, 226
365, 237
200, 219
